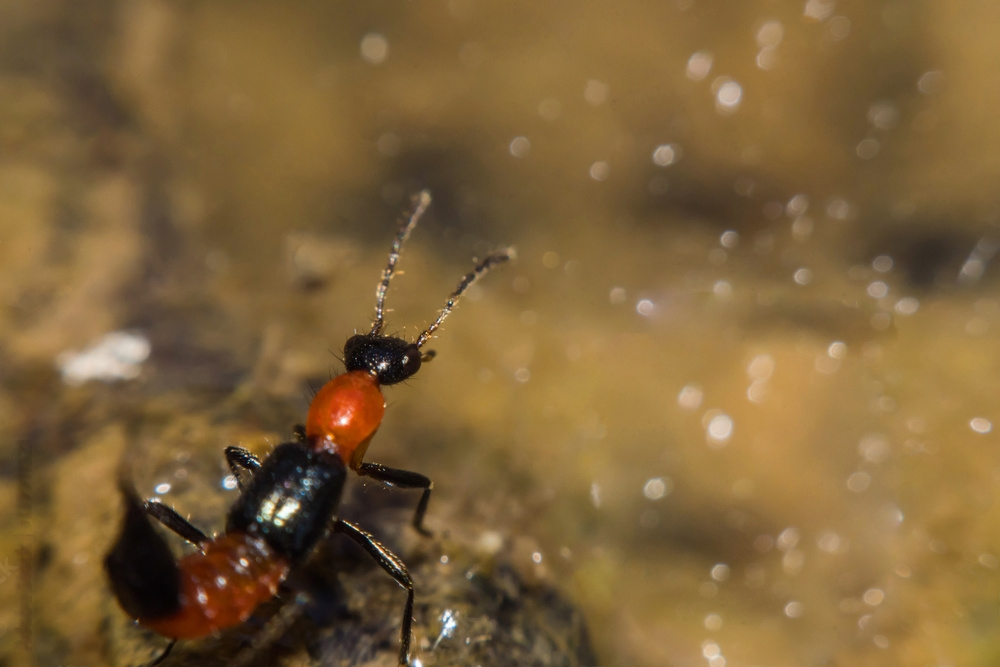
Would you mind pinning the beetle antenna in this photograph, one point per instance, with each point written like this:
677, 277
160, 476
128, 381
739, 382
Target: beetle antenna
419, 205
481, 269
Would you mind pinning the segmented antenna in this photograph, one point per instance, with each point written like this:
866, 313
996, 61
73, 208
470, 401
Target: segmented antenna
484, 266
420, 203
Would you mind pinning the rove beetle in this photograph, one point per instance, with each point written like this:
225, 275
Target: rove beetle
288, 502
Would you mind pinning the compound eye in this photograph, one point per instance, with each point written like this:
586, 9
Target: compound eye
410, 361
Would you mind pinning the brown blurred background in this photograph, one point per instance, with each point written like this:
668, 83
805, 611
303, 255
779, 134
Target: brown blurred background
737, 398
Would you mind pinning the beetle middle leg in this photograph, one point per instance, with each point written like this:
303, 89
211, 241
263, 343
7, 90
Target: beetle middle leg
403, 479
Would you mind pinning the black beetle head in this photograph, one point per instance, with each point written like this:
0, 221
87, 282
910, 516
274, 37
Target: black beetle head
390, 359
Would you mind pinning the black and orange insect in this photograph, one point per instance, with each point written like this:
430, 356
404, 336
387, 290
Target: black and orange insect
288, 502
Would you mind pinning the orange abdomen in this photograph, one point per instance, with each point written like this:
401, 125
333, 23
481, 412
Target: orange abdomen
223, 586
345, 414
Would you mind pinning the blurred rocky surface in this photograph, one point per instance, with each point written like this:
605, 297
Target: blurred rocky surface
738, 394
